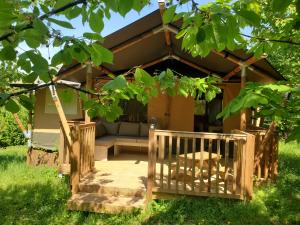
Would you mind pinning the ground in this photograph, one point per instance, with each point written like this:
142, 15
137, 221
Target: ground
36, 195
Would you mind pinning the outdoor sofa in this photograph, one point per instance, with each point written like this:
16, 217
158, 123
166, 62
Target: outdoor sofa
119, 134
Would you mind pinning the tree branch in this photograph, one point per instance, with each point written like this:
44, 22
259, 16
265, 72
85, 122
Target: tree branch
271, 40
45, 16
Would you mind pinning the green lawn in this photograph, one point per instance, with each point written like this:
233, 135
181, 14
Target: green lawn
35, 195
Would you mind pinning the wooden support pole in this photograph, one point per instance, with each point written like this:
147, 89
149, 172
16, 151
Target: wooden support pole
75, 159
88, 86
243, 124
19, 123
151, 166
61, 114
161, 5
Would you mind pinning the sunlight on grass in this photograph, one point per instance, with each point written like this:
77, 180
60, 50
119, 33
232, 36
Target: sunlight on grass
36, 195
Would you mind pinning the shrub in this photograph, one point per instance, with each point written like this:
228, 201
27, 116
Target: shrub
10, 134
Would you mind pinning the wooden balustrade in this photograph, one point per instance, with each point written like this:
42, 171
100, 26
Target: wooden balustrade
80, 155
200, 164
266, 152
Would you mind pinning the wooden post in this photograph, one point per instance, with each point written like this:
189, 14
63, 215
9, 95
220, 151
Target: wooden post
61, 113
151, 166
243, 122
88, 86
75, 158
19, 123
248, 160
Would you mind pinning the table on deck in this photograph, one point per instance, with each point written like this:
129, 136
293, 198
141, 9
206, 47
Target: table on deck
197, 163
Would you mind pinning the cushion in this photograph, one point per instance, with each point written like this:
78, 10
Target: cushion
142, 140
144, 129
100, 129
126, 139
111, 128
105, 141
129, 129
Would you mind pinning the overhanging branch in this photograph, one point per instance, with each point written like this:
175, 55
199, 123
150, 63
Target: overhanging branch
45, 16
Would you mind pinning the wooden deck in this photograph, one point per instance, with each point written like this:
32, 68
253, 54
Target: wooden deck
120, 183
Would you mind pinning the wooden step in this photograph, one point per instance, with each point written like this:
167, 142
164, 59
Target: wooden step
111, 190
101, 203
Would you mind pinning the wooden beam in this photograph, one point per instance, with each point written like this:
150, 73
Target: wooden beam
243, 121
248, 62
237, 61
161, 5
61, 114
68, 72
19, 123
137, 39
206, 71
88, 86
104, 69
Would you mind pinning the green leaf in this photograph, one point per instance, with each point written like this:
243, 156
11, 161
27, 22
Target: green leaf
200, 37
57, 59
118, 83
78, 53
40, 26
73, 12
251, 17
281, 5
142, 76
61, 23
101, 55
93, 36
3, 98
96, 21
8, 53
30, 78
169, 14
12, 106
24, 64
26, 102
33, 38
125, 7
61, 3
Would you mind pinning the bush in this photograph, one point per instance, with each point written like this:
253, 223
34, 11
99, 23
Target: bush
10, 134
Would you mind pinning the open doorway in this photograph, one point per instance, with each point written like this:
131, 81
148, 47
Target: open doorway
205, 118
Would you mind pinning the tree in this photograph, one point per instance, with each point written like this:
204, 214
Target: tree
214, 26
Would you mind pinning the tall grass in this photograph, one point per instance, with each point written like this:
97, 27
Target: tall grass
36, 195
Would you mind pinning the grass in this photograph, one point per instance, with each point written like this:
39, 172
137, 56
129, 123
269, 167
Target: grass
36, 195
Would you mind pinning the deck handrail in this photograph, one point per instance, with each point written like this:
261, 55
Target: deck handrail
80, 154
184, 173
266, 152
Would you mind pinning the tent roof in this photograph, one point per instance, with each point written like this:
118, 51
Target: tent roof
143, 42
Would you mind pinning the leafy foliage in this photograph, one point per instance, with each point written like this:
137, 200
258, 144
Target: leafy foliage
10, 134
276, 102
144, 87
217, 25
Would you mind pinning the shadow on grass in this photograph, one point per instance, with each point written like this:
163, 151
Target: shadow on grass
5, 160
30, 204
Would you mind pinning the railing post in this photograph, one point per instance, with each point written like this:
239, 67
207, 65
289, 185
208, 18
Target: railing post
75, 158
249, 161
151, 166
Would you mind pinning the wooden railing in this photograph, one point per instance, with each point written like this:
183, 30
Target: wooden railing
81, 153
200, 164
266, 152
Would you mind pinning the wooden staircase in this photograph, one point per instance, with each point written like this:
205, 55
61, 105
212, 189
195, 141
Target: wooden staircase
98, 192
